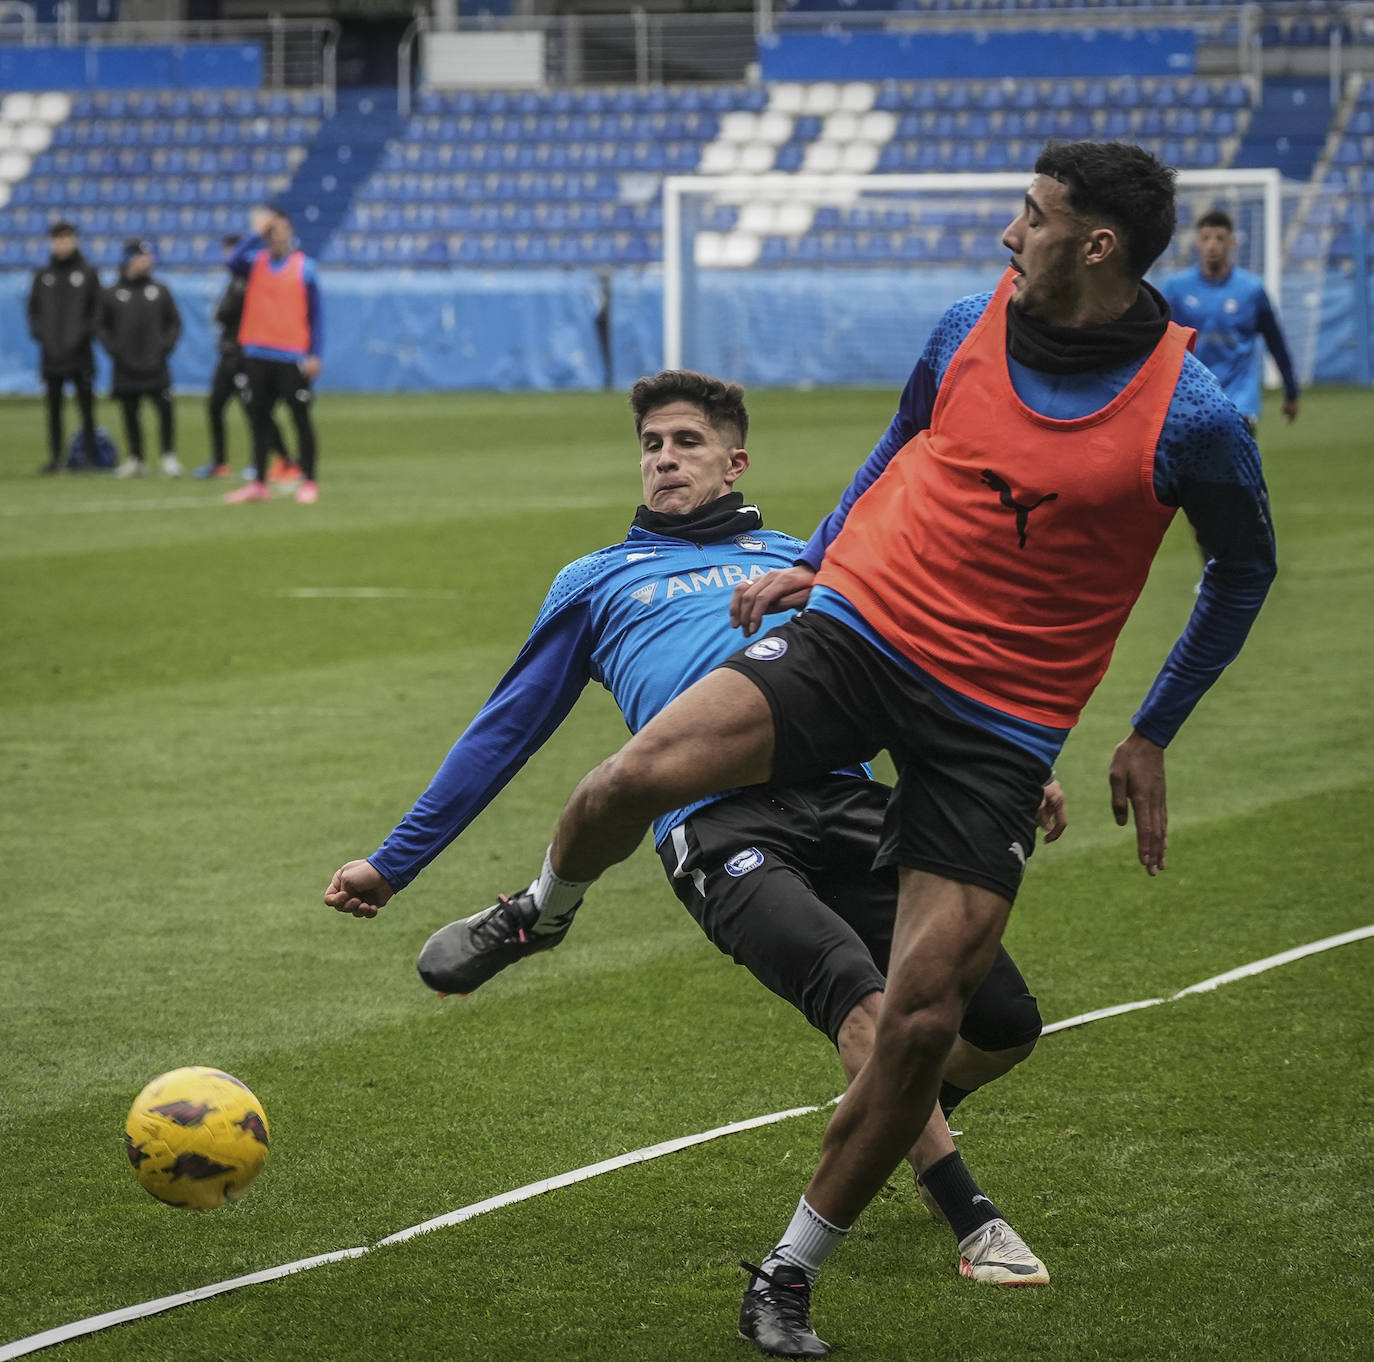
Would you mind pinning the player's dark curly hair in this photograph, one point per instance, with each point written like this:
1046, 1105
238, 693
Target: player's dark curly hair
722, 403
1215, 217
1121, 185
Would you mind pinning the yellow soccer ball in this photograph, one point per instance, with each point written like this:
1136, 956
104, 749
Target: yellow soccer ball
196, 1137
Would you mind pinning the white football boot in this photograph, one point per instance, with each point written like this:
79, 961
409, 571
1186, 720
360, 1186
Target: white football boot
997, 1256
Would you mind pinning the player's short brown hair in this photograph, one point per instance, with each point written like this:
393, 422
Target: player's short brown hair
1216, 218
721, 402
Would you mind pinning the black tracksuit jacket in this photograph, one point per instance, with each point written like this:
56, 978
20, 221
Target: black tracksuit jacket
139, 326
64, 312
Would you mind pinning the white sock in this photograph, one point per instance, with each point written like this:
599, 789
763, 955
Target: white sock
810, 1239
556, 899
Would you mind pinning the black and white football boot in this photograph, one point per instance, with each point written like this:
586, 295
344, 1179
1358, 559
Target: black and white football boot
776, 1317
465, 954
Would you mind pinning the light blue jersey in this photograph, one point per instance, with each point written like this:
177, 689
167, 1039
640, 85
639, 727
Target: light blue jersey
646, 618
1230, 315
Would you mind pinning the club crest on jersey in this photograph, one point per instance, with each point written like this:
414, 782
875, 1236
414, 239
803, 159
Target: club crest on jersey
742, 862
749, 543
767, 649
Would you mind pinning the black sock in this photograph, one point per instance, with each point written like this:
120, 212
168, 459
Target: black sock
958, 1196
950, 1097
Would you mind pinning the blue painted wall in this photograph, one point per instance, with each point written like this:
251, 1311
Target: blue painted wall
385, 330
435, 330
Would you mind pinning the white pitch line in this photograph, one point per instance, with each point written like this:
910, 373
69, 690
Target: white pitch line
653, 1151
197, 1293
369, 593
1084, 1018
95, 1323
133, 504
1274, 961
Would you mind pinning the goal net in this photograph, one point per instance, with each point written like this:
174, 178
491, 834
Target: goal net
781, 280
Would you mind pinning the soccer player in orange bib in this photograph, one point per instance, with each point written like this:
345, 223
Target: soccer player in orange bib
282, 335
962, 602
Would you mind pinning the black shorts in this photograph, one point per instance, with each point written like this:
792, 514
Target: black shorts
966, 800
782, 880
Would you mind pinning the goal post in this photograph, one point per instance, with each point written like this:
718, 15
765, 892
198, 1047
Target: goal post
766, 276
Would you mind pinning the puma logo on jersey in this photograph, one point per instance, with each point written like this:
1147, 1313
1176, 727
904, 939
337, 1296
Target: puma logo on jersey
1022, 509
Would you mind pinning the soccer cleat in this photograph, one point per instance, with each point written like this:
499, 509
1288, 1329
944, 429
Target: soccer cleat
307, 493
47, 469
171, 466
250, 491
776, 1318
212, 470
997, 1256
130, 468
283, 471
465, 954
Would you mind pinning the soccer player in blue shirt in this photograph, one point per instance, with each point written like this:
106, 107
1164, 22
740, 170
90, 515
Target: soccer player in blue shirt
647, 617
1229, 309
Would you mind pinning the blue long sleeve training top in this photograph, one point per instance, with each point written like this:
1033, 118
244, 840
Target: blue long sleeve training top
1206, 463
1230, 315
646, 618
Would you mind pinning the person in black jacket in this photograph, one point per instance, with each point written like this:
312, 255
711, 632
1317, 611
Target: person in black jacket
64, 309
139, 326
231, 378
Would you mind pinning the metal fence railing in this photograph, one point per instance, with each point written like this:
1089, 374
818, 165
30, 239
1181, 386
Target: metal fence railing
646, 48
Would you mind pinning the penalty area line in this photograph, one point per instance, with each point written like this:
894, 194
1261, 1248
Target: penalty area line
95, 1323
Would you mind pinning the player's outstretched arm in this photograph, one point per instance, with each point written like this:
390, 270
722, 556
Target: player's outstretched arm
358, 888
536, 694
1137, 780
781, 589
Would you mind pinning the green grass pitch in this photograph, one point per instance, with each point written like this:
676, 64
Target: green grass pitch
190, 747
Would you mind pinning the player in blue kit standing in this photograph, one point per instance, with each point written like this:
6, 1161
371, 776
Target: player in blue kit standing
1229, 309
781, 878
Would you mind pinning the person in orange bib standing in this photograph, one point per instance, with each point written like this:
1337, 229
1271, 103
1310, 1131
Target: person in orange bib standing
962, 602
282, 335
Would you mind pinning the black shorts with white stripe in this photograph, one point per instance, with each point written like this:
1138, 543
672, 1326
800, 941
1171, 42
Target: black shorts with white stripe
782, 880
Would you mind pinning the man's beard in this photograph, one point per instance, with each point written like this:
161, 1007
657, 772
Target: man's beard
1056, 284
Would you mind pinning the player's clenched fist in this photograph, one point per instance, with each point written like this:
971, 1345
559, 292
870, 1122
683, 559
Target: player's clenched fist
359, 889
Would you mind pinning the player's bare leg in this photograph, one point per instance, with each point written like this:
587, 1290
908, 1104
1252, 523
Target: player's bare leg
945, 940
716, 735
950, 1193
967, 1068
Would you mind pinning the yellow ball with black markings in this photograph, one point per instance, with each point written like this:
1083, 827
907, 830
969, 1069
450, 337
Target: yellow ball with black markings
196, 1137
